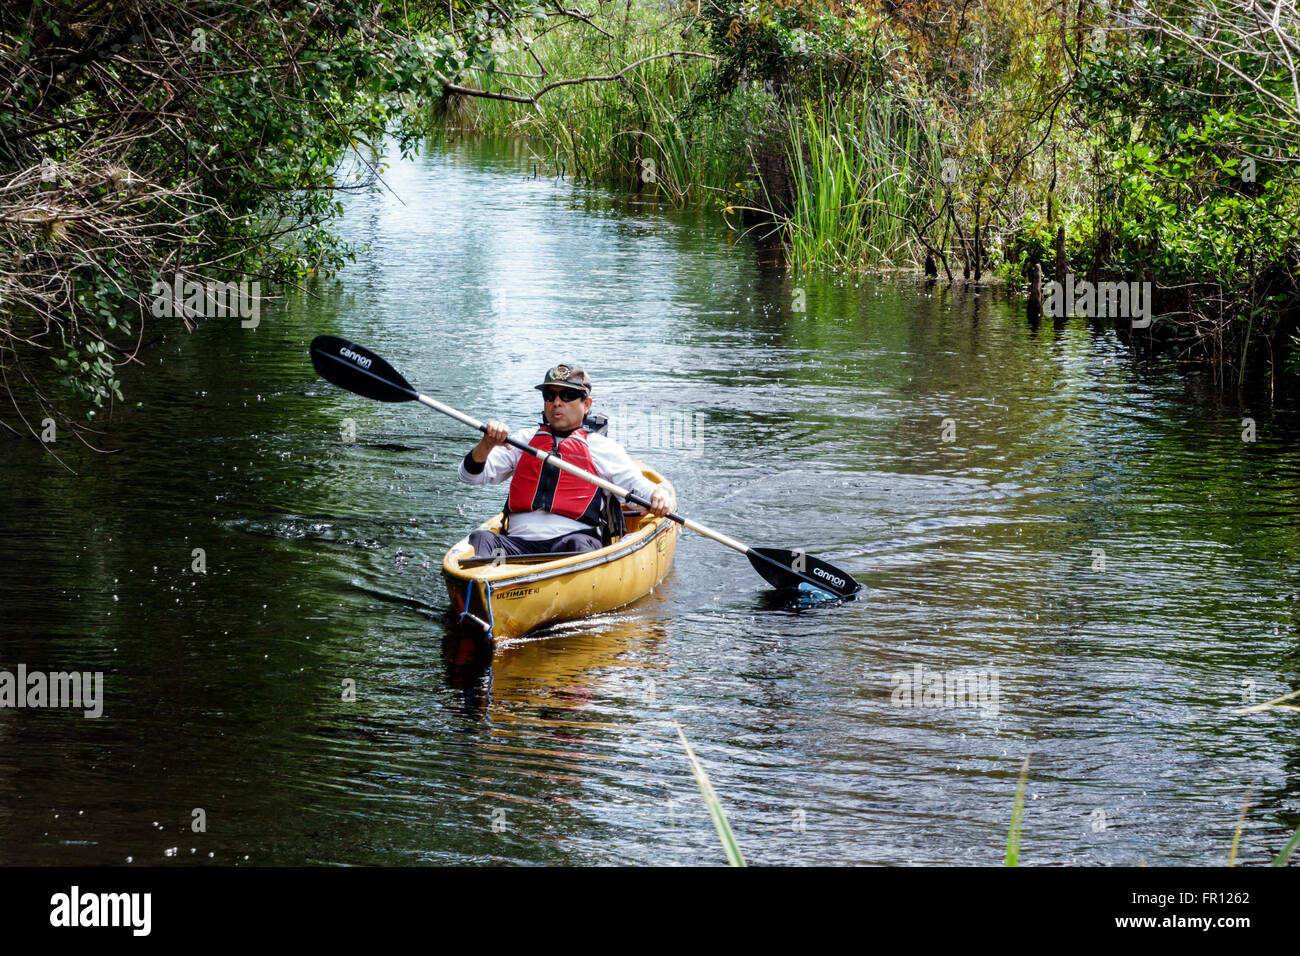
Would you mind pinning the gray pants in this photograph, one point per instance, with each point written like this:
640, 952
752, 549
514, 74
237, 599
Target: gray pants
489, 544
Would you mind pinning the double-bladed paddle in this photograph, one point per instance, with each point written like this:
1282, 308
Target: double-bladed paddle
359, 370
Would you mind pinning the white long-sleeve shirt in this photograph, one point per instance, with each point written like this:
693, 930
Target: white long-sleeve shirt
611, 461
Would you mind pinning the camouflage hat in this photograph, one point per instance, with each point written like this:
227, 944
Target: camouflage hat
570, 375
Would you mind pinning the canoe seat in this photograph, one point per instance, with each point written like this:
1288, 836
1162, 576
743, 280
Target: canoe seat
632, 516
476, 562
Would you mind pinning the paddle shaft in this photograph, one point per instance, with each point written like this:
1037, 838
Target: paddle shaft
554, 460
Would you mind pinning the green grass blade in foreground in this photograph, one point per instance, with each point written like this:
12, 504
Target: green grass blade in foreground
1017, 811
1287, 850
734, 856
1241, 822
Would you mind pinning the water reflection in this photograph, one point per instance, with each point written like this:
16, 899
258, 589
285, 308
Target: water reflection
550, 675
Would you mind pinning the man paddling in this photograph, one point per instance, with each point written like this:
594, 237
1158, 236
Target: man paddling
548, 510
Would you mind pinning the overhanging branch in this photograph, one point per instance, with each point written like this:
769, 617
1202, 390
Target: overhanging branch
574, 81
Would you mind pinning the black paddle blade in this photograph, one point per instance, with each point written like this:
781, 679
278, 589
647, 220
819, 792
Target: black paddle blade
789, 569
359, 370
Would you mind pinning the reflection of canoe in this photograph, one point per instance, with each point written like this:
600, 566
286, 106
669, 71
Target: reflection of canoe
523, 594
621, 654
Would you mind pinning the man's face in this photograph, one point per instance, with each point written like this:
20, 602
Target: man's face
563, 415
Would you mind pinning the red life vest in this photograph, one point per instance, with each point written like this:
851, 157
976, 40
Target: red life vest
536, 487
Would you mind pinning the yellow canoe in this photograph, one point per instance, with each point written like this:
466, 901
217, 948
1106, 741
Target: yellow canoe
519, 595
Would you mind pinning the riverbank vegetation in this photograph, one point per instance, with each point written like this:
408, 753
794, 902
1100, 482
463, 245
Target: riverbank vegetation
650, 130
143, 143
1131, 142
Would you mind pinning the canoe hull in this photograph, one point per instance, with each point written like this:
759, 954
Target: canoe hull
513, 599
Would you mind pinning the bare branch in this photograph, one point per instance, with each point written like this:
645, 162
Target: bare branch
556, 84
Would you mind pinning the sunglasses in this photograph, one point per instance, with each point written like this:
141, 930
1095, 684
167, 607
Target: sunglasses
566, 394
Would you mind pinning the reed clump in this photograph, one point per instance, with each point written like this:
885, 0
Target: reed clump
653, 130
863, 170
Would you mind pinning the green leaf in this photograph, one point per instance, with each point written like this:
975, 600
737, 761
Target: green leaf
1281, 858
729, 845
1017, 812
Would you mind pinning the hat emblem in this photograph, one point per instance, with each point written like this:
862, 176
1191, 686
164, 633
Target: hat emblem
561, 371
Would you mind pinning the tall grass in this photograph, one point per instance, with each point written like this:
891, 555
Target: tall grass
646, 132
865, 167
862, 169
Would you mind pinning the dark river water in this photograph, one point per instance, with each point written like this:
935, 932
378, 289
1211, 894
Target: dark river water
1085, 539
